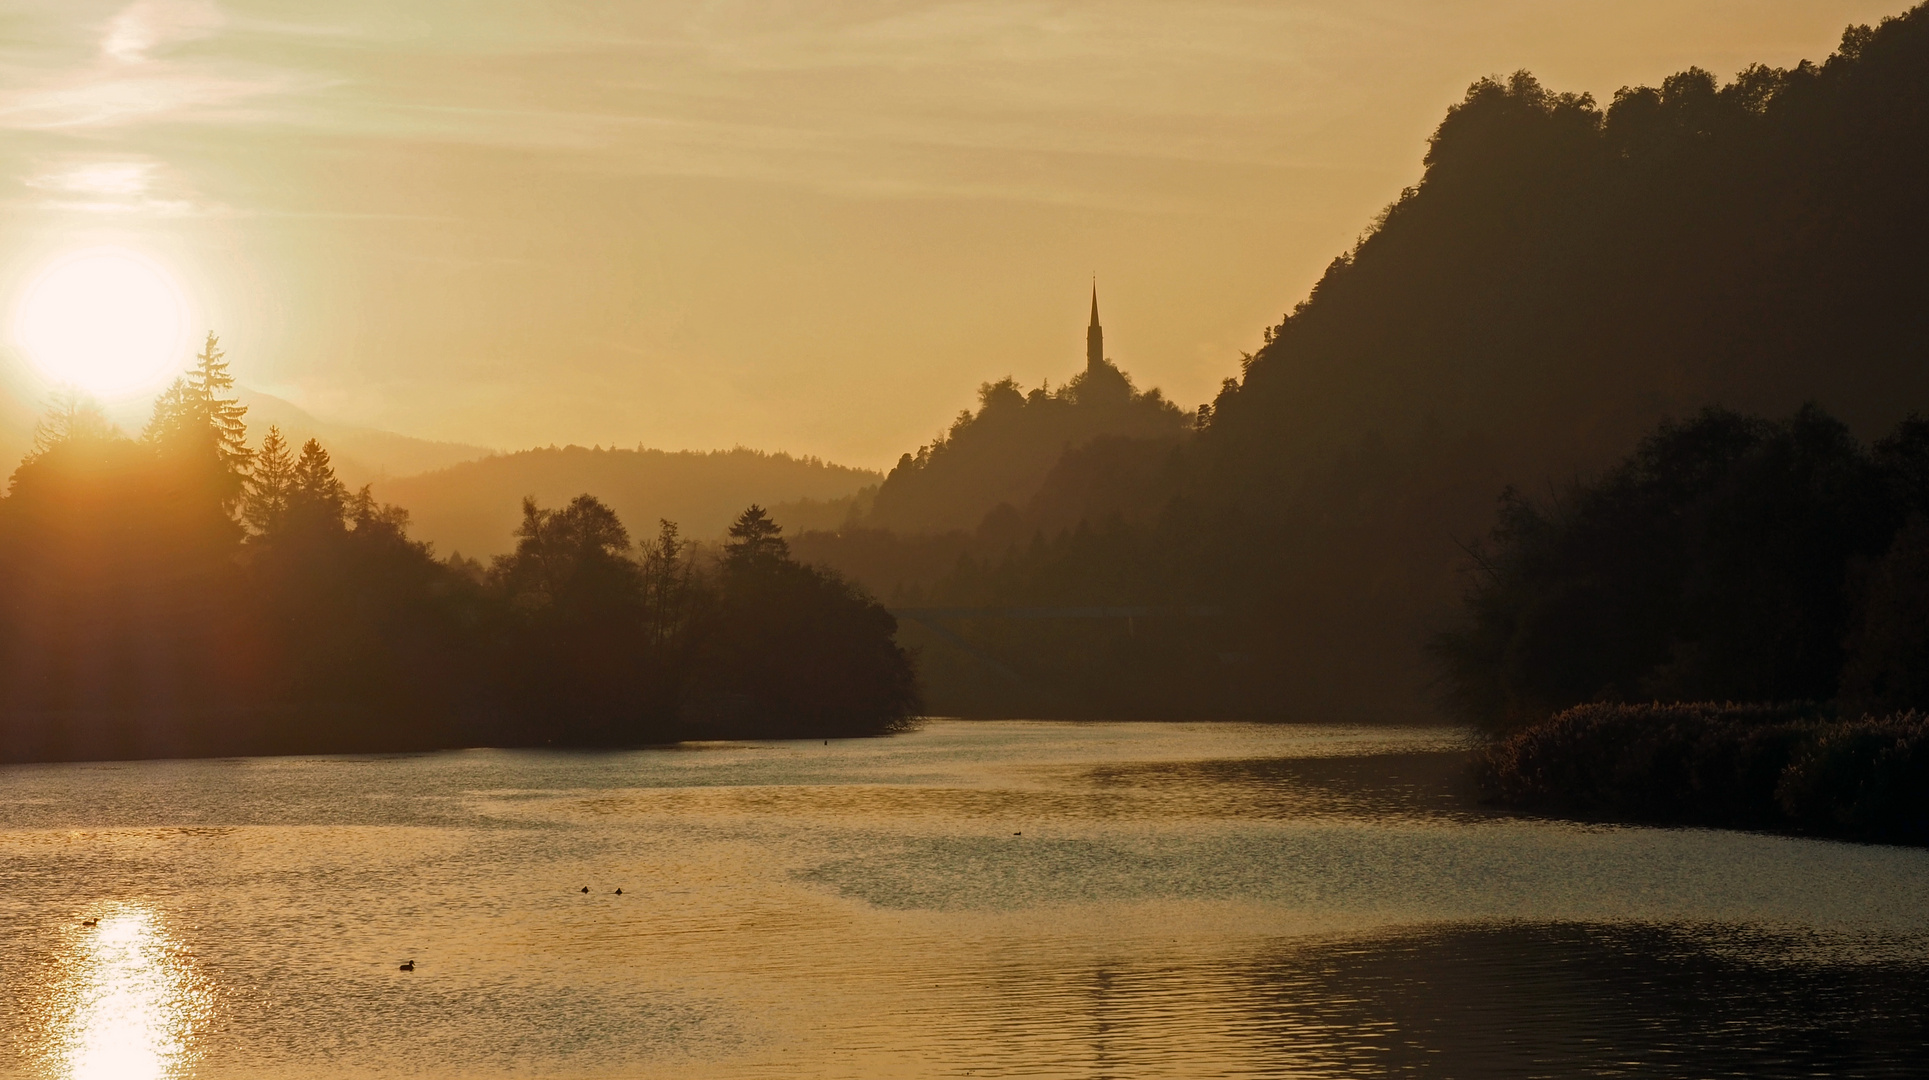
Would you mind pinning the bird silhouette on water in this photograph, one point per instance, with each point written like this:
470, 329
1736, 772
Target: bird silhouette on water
407, 965
619, 892
585, 888
91, 922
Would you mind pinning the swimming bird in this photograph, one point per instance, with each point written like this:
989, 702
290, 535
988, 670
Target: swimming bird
585, 888
407, 965
95, 921
619, 892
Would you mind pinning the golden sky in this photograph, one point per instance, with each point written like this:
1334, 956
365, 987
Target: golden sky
814, 227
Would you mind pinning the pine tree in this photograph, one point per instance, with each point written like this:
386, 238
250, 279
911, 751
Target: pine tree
316, 495
270, 484
193, 421
207, 382
755, 540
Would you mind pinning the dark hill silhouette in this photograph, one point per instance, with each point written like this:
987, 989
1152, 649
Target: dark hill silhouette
1561, 278
472, 507
1003, 452
1023, 463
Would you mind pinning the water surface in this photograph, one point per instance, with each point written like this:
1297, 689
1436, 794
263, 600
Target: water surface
1010, 899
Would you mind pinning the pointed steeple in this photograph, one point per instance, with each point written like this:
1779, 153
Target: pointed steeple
1094, 337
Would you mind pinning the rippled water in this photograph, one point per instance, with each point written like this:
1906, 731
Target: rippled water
1011, 899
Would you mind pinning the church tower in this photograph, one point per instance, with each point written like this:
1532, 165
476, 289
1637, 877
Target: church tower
1094, 338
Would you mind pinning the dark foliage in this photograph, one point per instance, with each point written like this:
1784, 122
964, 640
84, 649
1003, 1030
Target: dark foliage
186, 595
1712, 764
1715, 563
1004, 452
1703, 762
785, 644
1868, 778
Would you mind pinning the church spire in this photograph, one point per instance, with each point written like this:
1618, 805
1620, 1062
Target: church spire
1094, 337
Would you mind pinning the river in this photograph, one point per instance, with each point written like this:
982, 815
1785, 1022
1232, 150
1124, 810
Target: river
968, 899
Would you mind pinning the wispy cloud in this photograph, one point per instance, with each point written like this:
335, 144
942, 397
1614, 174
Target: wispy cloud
124, 178
145, 25
130, 76
114, 187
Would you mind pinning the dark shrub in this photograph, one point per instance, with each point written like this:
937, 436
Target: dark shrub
1699, 762
1868, 778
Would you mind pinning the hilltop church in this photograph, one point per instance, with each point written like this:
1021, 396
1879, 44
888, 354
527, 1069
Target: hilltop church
1101, 381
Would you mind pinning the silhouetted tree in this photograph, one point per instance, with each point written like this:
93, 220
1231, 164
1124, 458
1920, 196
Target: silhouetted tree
756, 542
316, 497
788, 647
271, 484
202, 429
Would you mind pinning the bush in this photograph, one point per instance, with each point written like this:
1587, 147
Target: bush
1704, 762
1869, 777
1721, 764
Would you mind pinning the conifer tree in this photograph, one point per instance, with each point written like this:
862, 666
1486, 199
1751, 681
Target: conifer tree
194, 420
209, 381
270, 484
316, 495
755, 541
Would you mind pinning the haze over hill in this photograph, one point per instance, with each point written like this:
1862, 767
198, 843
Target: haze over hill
473, 508
361, 455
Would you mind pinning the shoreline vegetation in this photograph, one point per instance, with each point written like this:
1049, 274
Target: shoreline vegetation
1782, 767
1632, 643
188, 594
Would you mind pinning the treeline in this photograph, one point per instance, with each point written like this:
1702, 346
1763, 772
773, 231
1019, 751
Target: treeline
186, 593
1729, 558
1564, 275
1779, 564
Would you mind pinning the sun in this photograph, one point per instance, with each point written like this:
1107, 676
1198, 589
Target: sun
105, 319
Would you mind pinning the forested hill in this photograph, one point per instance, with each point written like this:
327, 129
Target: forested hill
1005, 452
1564, 274
472, 507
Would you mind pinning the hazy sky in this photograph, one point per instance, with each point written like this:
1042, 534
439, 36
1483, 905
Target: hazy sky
805, 226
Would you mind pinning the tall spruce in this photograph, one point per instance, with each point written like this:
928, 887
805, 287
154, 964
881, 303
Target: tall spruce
271, 484
195, 418
210, 383
316, 496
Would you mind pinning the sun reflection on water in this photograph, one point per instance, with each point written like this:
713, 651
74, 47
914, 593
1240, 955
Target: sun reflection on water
129, 1003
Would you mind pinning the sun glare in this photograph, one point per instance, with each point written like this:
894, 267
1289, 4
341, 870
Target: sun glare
105, 319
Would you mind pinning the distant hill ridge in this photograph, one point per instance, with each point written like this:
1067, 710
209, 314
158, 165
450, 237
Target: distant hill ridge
361, 455
473, 507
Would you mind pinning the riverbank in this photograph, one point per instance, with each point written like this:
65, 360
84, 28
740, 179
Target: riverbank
1753, 766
